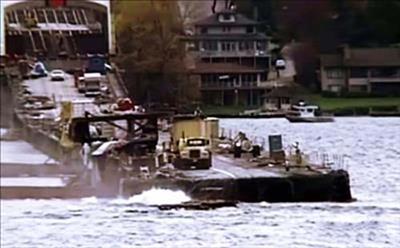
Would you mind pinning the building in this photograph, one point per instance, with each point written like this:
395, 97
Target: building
51, 27
364, 70
231, 59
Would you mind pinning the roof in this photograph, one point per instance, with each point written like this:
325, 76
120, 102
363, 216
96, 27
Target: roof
331, 60
202, 68
213, 20
256, 36
374, 57
363, 57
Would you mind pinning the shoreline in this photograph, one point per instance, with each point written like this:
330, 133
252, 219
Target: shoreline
238, 116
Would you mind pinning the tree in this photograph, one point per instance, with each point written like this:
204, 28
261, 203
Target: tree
193, 10
150, 51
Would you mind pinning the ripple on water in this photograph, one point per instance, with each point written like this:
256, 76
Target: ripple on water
373, 221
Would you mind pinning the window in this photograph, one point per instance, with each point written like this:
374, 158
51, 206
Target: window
390, 72
232, 60
249, 79
223, 46
203, 30
334, 73
263, 77
228, 46
358, 72
210, 45
208, 80
245, 45
249, 29
261, 46
226, 29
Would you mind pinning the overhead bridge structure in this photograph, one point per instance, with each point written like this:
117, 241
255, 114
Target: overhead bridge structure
54, 27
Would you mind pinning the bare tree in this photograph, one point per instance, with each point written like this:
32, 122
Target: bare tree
191, 11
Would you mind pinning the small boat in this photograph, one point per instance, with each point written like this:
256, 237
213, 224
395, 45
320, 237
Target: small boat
306, 113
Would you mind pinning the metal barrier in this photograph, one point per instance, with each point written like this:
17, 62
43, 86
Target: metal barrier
326, 160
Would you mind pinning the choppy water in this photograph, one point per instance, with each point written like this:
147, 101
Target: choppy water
373, 149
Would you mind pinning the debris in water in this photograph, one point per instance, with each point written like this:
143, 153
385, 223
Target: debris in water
199, 205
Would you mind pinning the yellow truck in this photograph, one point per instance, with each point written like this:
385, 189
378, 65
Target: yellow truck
193, 153
191, 141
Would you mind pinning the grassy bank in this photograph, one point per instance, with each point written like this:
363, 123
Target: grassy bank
222, 110
339, 106
330, 104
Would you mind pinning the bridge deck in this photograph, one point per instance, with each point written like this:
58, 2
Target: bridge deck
62, 91
228, 168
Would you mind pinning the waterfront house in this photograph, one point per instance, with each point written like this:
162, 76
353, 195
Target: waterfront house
362, 70
231, 59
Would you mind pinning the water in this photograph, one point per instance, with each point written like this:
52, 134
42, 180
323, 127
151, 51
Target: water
372, 146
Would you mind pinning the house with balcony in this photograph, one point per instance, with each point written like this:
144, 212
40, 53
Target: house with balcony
364, 70
231, 60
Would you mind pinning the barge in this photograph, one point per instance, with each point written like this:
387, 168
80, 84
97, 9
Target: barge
106, 152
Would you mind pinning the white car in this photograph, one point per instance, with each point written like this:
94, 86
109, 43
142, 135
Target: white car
57, 75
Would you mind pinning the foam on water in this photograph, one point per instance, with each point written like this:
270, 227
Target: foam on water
90, 200
155, 196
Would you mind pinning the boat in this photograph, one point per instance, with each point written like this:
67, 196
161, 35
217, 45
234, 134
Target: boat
303, 112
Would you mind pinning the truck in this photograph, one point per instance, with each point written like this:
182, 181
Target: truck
191, 142
90, 84
96, 64
193, 153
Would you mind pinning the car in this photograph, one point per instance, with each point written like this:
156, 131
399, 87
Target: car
280, 64
34, 74
39, 70
57, 75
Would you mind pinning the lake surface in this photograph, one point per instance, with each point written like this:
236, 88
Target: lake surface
372, 149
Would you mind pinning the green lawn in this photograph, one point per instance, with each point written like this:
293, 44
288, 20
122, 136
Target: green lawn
222, 110
327, 103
